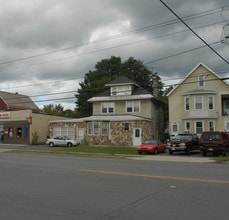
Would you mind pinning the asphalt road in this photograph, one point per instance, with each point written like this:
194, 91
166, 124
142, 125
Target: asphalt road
68, 187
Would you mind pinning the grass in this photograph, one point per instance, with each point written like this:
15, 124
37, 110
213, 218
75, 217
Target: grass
221, 159
88, 150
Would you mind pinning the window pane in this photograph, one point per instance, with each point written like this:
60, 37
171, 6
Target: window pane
136, 106
198, 102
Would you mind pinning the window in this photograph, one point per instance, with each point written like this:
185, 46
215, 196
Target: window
198, 102
186, 104
19, 132
210, 102
126, 126
199, 127
187, 126
227, 125
201, 80
211, 125
89, 128
107, 107
133, 106
98, 128
175, 128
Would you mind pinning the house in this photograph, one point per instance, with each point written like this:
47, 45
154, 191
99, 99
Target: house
124, 115
14, 101
199, 103
21, 120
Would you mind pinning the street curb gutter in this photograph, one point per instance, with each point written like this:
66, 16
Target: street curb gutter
174, 159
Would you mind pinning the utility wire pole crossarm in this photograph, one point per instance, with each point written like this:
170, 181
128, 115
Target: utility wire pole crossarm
194, 32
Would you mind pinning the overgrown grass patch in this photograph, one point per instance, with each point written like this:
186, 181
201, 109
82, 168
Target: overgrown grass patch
86, 150
221, 159
99, 150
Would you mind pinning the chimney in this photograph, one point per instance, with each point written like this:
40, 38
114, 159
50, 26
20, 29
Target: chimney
155, 86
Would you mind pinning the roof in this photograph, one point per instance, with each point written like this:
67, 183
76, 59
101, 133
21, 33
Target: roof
17, 101
196, 67
104, 118
138, 92
122, 80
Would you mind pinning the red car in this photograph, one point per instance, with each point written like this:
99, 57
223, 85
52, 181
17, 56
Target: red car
152, 146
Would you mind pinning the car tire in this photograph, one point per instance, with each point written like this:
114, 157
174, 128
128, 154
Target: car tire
69, 144
51, 144
170, 152
204, 153
156, 151
139, 152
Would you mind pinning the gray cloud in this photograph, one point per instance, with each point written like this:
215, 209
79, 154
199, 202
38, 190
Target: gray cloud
65, 39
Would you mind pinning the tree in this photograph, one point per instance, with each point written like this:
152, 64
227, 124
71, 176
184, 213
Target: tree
54, 109
105, 71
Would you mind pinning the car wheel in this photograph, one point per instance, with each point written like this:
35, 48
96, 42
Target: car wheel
51, 144
69, 144
139, 152
188, 151
156, 151
170, 152
204, 153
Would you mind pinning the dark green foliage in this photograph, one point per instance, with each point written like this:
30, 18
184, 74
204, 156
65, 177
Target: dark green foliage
106, 71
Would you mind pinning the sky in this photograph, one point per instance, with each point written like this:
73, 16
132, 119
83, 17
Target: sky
47, 47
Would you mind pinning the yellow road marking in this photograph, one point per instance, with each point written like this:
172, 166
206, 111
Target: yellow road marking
155, 176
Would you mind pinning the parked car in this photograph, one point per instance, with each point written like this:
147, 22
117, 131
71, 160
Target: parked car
216, 142
184, 142
152, 146
62, 141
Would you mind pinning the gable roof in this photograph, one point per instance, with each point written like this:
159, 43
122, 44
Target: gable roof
138, 92
15, 101
122, 80
195, 68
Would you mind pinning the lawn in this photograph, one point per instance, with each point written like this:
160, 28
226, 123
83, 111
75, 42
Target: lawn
98, 150
88, 150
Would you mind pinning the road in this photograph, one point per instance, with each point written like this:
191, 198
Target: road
67, 187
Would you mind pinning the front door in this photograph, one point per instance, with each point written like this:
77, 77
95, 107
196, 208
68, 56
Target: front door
137, 137
80, 134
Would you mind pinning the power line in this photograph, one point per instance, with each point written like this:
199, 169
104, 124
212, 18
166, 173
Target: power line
146, 28
195, 33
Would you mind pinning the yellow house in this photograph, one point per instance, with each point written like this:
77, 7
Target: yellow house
199, 103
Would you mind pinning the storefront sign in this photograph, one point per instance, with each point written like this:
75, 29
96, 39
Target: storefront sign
4, 114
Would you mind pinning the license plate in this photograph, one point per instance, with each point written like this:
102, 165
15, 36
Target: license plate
173, 148
210, 149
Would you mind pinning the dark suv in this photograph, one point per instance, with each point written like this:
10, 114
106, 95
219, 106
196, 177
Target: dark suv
184, 142
216, 142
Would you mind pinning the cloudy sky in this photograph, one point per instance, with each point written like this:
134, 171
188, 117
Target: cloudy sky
46, 47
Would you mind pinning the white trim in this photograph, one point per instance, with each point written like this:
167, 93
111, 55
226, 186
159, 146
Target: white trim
202, 102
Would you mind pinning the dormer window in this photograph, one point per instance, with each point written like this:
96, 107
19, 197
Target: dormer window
201, 80
121, 90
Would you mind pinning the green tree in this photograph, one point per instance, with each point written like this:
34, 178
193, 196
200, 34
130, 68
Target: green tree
105, 71
54, 109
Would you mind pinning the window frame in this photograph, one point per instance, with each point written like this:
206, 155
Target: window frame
133, 106
196, 127
209, 103
201, 80
106, 107
98, 128
196, 103
187, 103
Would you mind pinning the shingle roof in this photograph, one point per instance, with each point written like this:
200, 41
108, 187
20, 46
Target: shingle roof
120, 81
17, 101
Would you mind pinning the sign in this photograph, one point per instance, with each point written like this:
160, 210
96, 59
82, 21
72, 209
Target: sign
4, 114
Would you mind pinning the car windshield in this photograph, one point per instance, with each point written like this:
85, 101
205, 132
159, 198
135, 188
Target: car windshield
150, 142
184, 137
